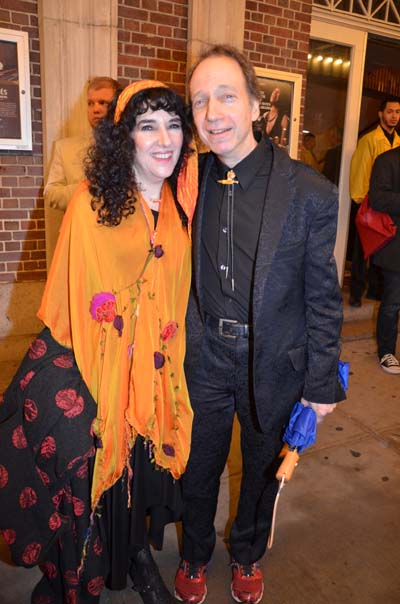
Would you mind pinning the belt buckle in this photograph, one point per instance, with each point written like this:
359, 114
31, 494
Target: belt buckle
221, 327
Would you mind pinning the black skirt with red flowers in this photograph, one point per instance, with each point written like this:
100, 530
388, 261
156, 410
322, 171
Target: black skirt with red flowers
46, 462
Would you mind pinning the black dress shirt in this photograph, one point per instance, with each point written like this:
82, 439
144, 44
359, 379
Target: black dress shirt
230, 232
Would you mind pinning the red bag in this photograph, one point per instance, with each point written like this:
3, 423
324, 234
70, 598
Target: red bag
375, 229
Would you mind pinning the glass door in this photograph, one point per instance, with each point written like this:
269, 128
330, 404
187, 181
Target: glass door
332, 110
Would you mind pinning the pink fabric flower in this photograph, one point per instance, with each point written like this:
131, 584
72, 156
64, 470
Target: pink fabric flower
102, 307
169, 330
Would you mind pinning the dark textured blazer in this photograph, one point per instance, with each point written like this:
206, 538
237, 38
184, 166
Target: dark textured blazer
384, 196
296, 303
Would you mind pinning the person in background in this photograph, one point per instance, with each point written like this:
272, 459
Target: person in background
384, 196
66, 169
276, 121
307, 151
96, 424
264, 317
372, 144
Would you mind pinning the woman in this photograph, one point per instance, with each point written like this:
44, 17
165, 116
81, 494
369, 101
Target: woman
276, 121
97, 421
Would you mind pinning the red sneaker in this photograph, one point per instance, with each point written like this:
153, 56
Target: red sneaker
190, 583
247, 583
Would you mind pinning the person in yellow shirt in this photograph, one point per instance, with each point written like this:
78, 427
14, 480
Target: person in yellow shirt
372, 144
307, 151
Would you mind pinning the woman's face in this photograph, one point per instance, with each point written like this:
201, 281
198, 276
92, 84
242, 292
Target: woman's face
158, 139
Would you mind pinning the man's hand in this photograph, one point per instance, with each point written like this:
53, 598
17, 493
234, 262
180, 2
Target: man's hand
320, 409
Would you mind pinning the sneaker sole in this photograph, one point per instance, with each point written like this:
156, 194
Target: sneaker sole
178, 597
250, 601
391, 370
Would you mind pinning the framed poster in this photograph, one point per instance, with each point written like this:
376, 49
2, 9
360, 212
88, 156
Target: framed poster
15, 97
280, 107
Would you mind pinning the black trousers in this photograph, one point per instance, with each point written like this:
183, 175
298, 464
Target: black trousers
388, 315
220, 386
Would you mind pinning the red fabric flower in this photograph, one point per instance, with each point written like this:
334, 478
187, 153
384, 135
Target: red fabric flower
48, 447
54, 521
83, 471
69, 400
64, 360
37, 349
3, 477
71, 597
27, 498
43, 476
95, 586
31, 553
9, 536
169, 330
48, 569
25, 381
98, 546
18, 438
71, 577
102, 307
30, 410
78, 505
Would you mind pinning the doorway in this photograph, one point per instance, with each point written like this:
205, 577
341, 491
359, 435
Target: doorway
332, 109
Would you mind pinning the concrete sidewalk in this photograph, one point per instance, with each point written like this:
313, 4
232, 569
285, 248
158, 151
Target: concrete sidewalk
338, 527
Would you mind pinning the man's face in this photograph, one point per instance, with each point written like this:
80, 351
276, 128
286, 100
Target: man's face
390, 116
97, 104
223, 110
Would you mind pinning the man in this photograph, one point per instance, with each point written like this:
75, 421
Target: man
263, 321
66, 169
384, 196
307, 151
382, 139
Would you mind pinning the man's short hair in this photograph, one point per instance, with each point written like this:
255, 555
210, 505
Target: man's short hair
103, 82
225, 50
389, 99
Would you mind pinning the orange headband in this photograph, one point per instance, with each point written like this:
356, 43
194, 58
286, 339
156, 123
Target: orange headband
128, 93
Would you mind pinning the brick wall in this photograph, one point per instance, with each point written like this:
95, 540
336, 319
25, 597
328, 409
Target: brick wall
152, 44
276, 36
152, 41
22, 235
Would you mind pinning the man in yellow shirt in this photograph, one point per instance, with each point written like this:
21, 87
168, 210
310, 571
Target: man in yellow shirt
382, 139
307, 151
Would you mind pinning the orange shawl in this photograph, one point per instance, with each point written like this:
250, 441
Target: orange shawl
119, 302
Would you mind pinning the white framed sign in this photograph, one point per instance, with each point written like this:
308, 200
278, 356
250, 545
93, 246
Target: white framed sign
280, 107
15, 97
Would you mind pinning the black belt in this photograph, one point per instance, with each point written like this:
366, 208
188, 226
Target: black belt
228, 328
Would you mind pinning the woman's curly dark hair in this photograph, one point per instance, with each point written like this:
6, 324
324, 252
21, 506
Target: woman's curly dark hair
109, 162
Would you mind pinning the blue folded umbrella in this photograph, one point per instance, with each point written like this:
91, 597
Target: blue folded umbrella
302, 428
300, 434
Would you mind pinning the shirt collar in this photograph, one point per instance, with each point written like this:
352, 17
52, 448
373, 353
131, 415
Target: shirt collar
246, 169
